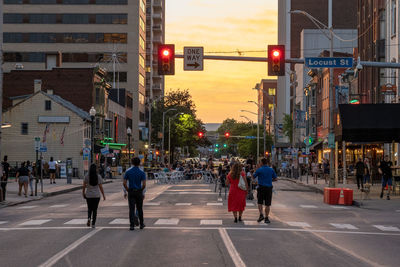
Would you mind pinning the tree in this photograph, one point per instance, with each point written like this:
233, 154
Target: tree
288, 126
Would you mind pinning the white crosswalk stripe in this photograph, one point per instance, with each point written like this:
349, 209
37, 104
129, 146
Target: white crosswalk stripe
77, 221
344, 226
183, 204
250, 204
120, 221
152, 204
339, 207
26, 207
34, 222
387, 228
120, 204
219, 199
298, 224
308, 206
59, 206
214, 204
251, 223
3, 222
211, 222
173, 221
83, 206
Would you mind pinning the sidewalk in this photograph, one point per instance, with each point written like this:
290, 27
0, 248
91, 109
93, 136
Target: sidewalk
61, 187
372, 201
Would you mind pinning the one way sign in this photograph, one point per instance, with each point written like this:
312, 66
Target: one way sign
193, 58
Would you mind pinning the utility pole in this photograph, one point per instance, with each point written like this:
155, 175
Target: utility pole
265, 128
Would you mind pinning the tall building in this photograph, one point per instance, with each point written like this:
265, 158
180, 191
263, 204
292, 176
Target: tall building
42, 34
267, 99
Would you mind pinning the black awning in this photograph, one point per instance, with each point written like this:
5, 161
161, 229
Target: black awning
370, 122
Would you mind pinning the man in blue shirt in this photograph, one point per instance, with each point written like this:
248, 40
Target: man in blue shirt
137, 183
266, 176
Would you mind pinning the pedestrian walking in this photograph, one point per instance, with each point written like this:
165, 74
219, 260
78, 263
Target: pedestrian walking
52, 170
237, 196
23, 179
265, 176
134, 184
31, 178
4, 176
367, 176
92, 186
360, 171
326, 169
385, 169
315, 170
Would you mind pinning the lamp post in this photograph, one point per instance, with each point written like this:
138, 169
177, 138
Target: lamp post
264, 123
129, 133
163, 126
92, 113
332, 180
169, 136
258, 129
250, 121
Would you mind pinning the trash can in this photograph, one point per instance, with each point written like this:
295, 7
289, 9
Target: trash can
331, 195
348, 196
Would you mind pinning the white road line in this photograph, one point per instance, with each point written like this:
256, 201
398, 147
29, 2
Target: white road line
83, 206
219, 199
252, 223
250, 204
387, 228
152, 203
188, 190
120, 204
34, 222
183, 204
77, 221
235, 256
59, 206
343, 226
189, 193
173, 221
308, 206
339, 207
214, 204
211, 222
3, 222
26, 207
120, 221
53, 260
298, 224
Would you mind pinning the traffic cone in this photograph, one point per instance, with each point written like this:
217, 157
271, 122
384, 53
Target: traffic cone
341, 198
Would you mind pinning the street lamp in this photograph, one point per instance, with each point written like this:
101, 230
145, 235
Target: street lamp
258, 127
163, 126
129, 133
169, 136
92, 113
250, 121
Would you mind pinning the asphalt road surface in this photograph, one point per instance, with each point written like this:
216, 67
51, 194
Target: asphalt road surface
188, 225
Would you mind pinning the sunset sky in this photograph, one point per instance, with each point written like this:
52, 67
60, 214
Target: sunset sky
224, 87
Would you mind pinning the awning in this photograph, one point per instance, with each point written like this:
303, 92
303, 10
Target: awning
369, 123
316, 145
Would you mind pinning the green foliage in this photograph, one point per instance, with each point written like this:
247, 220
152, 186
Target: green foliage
288, 126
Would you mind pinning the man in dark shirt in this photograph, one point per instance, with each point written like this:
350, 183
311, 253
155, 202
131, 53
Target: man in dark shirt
137, 183
4, 176
360, 169
385, 168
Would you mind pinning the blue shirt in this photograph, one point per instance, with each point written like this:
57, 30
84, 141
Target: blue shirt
135, 176
265, 176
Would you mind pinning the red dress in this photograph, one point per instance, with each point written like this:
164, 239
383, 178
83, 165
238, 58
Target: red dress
237, 196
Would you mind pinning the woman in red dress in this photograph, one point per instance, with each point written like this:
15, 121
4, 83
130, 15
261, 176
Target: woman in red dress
237, 196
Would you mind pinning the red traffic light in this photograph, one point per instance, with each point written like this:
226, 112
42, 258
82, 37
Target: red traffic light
276, 53
227, 134
157, 152
276, 60
165, 52
166, 59
200, 134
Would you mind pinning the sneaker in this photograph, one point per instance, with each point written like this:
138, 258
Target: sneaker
260, 218
382, 195
93, 226
142, 226
267, 220
88, 223
388, 197
131, 228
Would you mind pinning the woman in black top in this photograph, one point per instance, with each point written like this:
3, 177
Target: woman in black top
23, 178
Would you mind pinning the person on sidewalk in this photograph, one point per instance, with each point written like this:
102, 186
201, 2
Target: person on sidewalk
237, 196
23, 179
52, 170
4, 176
31, 177
326, 168
266, 176
360, 171
137, 183
367, 173
92, 186
385, 169
315, 170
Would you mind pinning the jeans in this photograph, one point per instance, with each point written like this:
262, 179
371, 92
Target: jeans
360, 181
93, 204
31, 179
135, 198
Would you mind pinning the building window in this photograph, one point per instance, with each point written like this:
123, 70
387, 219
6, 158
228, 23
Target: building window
66, 57
122, 76
141, 79
393, 20
42, 2
141, 61
270, 106
142, 25
10, 18
141, 99
142, 43
9, 37
75, 18
111, 38
111, 2
142, 6
111, 18
129, 102
42, 37
24, 128
271, 91
75, 2
42, 18
47, 105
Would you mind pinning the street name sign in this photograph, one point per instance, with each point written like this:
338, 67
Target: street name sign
193, 58
250, 137
329, 62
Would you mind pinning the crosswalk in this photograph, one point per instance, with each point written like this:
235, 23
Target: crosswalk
204, 222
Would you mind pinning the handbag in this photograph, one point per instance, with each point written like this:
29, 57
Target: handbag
242, 183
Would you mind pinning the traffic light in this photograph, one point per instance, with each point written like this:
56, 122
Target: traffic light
225, 145
216, 145
266, 153
200, 134
227, 134
157, 153
166, 59
276, 60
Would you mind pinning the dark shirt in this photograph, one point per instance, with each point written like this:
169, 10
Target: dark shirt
23, 171
265, 176
6, 167
385, 167
135, 176
360, 168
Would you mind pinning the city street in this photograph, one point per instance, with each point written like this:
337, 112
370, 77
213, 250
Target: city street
188, 225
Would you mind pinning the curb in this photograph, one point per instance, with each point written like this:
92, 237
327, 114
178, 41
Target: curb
315, 189
45, 194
